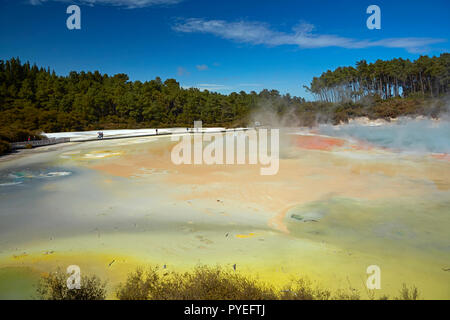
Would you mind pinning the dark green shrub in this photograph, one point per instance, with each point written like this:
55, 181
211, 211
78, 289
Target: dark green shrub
54, 287
303, 289
203, 283
408, 293
12, 134
5, 147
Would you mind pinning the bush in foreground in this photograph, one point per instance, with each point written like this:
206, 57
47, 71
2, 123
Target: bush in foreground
217, 283
408, 293
201, 283
54, 287
5, 147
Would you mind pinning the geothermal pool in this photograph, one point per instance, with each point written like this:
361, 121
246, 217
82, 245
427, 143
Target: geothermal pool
339, 203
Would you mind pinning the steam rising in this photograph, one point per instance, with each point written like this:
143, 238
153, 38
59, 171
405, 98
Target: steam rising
420, 134
406, 134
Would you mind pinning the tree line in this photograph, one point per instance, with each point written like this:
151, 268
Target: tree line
394, 78
37, 98
34, 99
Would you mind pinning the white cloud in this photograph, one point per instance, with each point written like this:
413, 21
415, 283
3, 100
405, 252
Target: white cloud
130, 4
182, 72
202, 67
302, 35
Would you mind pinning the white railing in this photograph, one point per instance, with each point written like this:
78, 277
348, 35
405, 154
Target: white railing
38, 143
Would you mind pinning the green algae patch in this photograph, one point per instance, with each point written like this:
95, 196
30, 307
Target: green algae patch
18, 283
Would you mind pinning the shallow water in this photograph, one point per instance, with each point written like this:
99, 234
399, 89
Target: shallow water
334, 208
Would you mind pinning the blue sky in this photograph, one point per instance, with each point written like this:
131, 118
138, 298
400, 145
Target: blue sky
220, 45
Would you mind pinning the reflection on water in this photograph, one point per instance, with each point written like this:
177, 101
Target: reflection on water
27, 176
